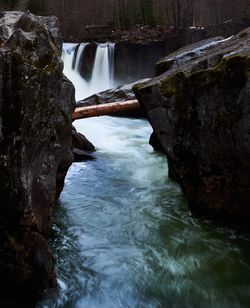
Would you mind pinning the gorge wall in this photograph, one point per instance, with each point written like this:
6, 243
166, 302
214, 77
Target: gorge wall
198, 106
138, 59
35, 149
135, 59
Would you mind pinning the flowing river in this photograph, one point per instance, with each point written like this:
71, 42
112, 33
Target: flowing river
123, 235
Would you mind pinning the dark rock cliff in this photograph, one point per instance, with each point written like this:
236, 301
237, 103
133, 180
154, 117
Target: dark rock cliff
35, 148
199, 110
134, 61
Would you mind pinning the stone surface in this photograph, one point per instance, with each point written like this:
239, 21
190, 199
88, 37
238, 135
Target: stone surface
199, 110
87, 61
35, 149
82, 147
134, 61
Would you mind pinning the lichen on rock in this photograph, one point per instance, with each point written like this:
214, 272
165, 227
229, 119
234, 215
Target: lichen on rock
36, 103
198, 106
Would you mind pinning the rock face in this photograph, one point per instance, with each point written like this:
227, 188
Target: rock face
199, 110
87, 61
82, 147
35, 148
134, 61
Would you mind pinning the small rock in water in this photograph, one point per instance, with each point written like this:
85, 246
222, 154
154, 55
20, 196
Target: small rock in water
80, 155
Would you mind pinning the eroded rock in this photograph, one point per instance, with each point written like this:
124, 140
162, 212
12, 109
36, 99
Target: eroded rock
82, 147
199, 110
35, 148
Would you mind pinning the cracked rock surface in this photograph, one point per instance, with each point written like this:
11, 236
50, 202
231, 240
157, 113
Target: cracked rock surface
36, 103
198, 106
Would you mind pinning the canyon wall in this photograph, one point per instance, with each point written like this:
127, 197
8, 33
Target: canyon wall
198, 106
36, 103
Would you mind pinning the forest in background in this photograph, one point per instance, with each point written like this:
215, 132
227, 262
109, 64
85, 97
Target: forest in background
74, 15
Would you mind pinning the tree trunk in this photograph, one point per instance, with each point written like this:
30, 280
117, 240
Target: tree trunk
104, 109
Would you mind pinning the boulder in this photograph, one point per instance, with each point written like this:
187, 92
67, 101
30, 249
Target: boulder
199, 110
82, 147
134, 61
36, 103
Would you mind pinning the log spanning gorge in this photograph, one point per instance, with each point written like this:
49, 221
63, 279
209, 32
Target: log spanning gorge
122, 233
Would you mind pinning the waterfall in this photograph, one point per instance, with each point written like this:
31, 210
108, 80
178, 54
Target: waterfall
102, 77
70, 72
79, 55
103, 69
68, 56
112, 63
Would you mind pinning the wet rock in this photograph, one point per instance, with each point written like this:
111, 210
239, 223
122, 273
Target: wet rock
199, 110
134, 61
82, 147
81, 155
36, 103
81, 142
87, 60
187, 53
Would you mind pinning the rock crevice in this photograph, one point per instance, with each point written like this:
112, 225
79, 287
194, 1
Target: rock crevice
198, 107
36, 103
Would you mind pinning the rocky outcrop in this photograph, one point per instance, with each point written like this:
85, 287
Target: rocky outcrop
35, 149
82, 147
134, 61
199, 110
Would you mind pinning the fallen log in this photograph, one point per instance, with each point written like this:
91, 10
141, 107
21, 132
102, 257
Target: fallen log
104, 109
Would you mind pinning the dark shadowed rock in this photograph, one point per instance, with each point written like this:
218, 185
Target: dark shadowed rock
229, 27
82, 147
81, 155
134, 61
137, 60
199, 110
187, 53
81, 142
35, 149
86, 61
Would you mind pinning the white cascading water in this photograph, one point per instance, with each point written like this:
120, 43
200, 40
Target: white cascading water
71, 73
79, 56
103, 70
102, 76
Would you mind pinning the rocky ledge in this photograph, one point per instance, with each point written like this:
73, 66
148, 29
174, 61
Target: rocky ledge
35, 149
199, 109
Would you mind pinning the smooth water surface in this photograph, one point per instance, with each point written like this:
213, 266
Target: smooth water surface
123, 235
